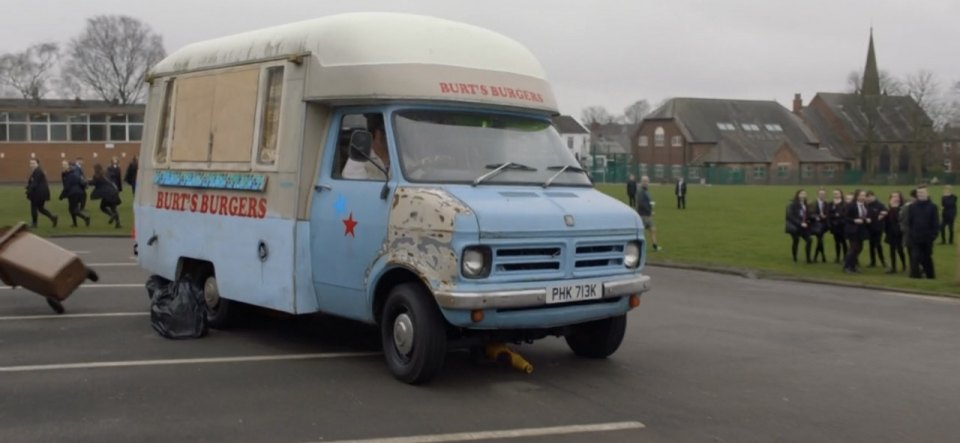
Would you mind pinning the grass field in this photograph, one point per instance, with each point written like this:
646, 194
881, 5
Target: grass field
735, 227
741, 227
14, 207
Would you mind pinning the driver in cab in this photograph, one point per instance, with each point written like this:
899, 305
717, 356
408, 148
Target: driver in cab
366, 170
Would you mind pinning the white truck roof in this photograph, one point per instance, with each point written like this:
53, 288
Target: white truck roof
385, 56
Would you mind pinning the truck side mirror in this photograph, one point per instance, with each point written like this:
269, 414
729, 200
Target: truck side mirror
361, 142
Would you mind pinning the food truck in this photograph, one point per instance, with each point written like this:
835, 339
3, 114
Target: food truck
394, 169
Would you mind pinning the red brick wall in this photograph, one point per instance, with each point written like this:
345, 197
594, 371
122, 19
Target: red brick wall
15, 157
665, 155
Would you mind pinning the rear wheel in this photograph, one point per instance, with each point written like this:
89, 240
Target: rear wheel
218, 308
413, 334
598, 339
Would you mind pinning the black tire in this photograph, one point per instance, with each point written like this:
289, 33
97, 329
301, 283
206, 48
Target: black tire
220, 314
418, 359
56, 305
598, 339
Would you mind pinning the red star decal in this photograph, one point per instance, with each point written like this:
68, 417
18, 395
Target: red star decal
348, 224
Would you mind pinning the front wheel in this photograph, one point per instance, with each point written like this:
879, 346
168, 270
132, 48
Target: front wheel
598, 339
413, 333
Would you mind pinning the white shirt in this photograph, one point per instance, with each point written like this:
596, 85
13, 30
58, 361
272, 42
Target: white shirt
363, 170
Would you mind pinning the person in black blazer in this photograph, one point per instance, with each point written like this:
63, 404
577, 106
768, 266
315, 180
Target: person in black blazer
797, 223
73, 192
819, 223
131, 176
835, 222
632, 190
923, 222
948, 202
114, 174
894, 238
855, 218
38, 192
877, 213
105, 191
680, 190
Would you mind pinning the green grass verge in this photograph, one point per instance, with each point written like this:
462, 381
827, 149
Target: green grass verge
14, 207
741, 228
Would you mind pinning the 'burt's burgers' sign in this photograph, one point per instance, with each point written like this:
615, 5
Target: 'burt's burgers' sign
212, 204
474, 89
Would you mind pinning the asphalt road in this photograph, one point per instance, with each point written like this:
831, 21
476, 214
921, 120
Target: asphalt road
707, 358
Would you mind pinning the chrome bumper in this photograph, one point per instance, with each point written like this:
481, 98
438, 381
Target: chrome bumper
528, 298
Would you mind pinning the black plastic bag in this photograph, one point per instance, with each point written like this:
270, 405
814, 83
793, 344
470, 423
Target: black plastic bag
177, 309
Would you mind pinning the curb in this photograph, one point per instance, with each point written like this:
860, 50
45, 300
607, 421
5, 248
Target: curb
755, 274
94, 235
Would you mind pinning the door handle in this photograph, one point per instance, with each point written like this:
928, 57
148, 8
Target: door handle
321, 188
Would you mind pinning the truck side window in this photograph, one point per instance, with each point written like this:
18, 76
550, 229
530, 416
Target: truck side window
270, 120
160, 155
349, 165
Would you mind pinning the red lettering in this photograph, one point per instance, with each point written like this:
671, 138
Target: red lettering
204, 204
251, 207
234, 202
445, 88
263, 208
484, 90
242, 208
222, 210
159, 203
464, 88
511, 93
539, 98
193, 202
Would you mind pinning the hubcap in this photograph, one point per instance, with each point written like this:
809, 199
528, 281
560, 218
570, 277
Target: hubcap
403, 334
210, 293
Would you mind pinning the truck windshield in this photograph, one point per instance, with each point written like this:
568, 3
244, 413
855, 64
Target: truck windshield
462, 147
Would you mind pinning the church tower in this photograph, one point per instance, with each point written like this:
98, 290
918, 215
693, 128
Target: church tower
871, 75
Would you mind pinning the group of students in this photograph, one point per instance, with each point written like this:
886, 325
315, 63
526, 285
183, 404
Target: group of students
860, 216
106, 184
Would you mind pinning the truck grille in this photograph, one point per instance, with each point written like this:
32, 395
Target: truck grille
519, 259
599, 255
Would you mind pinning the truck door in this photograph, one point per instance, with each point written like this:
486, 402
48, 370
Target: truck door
348, 219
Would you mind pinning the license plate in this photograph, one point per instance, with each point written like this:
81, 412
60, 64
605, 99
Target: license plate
574, 292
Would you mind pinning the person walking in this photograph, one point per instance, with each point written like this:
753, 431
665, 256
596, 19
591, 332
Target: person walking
855, 229
105, 191
130, 177
73, 192
797, 218
114, 174
923, 224
894, 235
645, 210
902, 218
819, 224
680, 190
877, 213
632, 190
948, 202
38, 193
78, 169
835, 221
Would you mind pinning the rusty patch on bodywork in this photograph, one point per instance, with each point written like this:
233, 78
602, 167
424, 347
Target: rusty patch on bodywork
421, 225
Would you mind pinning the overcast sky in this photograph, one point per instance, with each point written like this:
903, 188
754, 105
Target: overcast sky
601, 52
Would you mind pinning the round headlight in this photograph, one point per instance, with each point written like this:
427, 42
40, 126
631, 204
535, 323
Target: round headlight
631, 255
473, 263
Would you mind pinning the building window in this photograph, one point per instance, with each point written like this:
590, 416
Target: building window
829, 171
783, 171
773, 127
658, 171
807, 171
676, 170
658, 137
759, 172
570, 142
948, 165
750, 127
676, 141
693, 173
723, 126
644, 141
946, 147
643, 169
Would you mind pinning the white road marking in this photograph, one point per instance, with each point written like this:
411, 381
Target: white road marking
99, 286
506, 434
104, 265
185, 361
80, 252
91, 315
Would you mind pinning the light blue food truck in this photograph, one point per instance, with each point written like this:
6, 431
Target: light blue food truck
393, 169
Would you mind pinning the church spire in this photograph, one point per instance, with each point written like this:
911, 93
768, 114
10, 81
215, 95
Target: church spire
871, 76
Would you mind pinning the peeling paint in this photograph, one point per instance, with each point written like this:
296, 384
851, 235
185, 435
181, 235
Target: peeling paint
421, 226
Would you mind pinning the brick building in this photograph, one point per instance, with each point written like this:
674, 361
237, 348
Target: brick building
876, 133
55, 130
751, 141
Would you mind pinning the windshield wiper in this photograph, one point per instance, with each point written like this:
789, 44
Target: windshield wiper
499, 167
562, 169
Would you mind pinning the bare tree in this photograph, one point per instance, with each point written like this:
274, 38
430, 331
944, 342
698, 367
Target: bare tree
111, 57
29, 72
635, 113
924, 87
889, 84
595, 115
